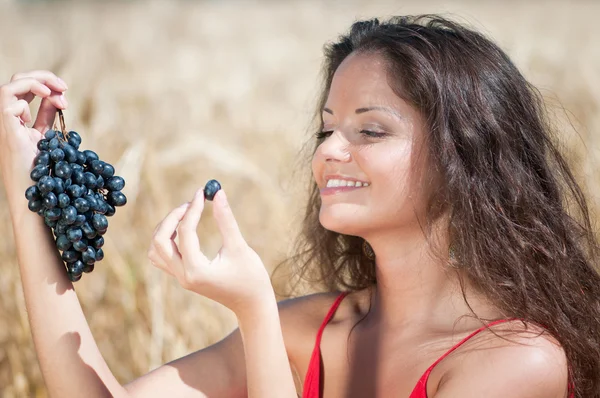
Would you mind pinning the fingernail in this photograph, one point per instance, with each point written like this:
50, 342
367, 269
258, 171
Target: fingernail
62, 83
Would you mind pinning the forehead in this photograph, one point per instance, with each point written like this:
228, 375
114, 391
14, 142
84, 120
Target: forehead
362, 77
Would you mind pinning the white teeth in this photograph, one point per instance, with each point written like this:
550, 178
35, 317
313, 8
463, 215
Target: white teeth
346, 183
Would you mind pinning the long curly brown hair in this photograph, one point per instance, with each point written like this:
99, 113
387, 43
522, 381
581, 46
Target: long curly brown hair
519, 223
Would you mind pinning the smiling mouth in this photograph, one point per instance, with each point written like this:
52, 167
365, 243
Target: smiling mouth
336, 190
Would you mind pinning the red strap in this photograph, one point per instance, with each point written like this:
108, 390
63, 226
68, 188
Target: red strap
312, 381
420, 390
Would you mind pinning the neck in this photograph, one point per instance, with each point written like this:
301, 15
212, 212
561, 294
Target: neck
417, 291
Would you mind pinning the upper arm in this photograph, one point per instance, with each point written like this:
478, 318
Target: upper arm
215, 371
536, 369
220, 369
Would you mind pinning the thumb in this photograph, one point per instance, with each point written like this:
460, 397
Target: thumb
46, 114
228, 226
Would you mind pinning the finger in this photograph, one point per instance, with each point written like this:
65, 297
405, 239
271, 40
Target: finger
21, 110
157, 261
228, 226
24, 86
47, 111
27, 97
188, 239
163, 238
43, 76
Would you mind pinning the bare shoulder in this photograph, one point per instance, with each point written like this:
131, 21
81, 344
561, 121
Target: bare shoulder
304, 314
517, 360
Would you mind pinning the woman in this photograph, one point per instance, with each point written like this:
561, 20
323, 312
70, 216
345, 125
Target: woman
437, 221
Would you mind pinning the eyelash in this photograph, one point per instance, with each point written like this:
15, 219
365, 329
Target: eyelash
324, 134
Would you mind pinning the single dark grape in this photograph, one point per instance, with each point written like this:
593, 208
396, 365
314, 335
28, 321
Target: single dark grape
63, 170
53, 214
70, 256
75, 191
97, 242
61, 228
89, 231
35, 205
79, 220
42, 145
42, 158
87, 268
110, 210
77, 177
99, 222
80, 158
67, 183
76, 267
53, 144
211, 188
57, 155
46, 184
76, 166
90, 156
63, 200
50, 200
50, 134
74, 234
50, 223
70, 153
100, 182
62, 242
59, 185
39, 171
99, 254
81, 205
115, 183
74, 139
97, 166
116, 198
74, 277
108, 171
80, 245
89, 180
88, 256
33, 193
69, 214
92, 201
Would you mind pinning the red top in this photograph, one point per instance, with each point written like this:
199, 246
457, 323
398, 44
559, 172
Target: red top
312, 381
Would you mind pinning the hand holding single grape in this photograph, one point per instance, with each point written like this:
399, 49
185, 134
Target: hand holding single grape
236, 277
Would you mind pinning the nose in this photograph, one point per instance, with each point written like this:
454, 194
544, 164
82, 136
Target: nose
335, 148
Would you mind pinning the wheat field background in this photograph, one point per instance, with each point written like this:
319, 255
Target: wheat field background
176, 93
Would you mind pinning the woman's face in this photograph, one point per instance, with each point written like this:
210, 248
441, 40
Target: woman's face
373, 136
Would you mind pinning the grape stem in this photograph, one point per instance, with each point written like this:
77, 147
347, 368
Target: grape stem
63, 129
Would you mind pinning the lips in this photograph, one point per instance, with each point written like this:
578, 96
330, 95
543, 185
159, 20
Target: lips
338, 190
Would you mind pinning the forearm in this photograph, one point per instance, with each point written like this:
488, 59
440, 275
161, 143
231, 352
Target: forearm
69, 358
268, 370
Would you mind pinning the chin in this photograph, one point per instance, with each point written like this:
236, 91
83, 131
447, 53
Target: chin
342, 223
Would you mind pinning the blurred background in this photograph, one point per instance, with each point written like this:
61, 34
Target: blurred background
175, 93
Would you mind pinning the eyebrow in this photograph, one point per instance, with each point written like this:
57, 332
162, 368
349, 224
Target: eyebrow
391, 111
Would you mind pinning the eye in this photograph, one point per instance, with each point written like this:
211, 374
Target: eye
372, 133
323, 134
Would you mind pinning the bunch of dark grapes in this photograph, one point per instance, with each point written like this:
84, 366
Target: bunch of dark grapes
74, 192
